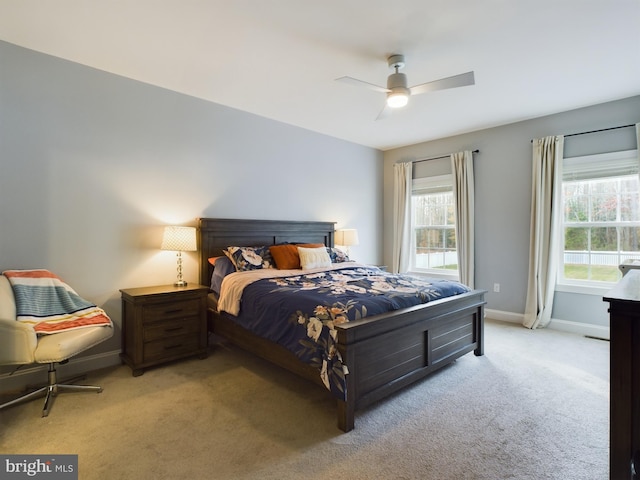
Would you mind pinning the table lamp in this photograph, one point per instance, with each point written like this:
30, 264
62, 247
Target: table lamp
346, 237
179, 239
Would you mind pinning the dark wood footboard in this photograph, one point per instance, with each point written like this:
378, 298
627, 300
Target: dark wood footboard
388, 352
383, 353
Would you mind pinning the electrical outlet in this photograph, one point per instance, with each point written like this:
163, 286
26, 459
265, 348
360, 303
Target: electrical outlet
496, 287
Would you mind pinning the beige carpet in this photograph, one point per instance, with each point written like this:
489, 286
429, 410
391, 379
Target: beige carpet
534, 407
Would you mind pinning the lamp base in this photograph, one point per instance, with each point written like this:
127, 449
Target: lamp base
180, 283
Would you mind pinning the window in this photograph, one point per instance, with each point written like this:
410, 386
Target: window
601, 220
433, 235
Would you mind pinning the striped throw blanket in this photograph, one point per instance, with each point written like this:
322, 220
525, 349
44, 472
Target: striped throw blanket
50, 305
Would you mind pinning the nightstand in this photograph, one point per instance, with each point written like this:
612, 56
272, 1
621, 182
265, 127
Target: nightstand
163, 323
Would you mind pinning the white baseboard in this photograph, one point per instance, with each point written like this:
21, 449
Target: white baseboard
36, 374
504, 316
586, 329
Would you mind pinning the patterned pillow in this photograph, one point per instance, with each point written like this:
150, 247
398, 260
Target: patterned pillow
249, 258
337, 255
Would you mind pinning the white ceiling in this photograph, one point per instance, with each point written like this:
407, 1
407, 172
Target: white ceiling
279, 58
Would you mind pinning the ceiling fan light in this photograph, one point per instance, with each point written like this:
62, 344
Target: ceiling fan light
397, 99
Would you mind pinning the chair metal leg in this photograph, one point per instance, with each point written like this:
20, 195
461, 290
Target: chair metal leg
48, 400
51, 390
23, 398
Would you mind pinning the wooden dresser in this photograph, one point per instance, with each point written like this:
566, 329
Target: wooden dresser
163, 323
624, 436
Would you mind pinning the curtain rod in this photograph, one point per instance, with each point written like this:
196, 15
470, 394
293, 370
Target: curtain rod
599, 130
436, 158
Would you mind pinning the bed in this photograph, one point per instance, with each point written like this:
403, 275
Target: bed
380, 353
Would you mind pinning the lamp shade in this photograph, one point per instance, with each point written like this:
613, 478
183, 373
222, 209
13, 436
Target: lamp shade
346, 237
182, 239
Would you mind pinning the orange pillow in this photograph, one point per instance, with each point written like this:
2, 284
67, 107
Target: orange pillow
286, 256
212, 260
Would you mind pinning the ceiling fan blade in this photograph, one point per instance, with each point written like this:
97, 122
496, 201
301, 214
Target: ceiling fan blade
384, 113
360, 83
461, 80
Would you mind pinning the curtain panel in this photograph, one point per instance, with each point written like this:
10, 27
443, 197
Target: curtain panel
402, 178
463, 194
546, 214
638, 140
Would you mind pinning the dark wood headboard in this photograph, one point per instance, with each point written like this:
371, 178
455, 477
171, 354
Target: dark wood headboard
216, 234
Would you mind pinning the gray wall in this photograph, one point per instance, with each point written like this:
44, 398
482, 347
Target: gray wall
93, 165
503, 197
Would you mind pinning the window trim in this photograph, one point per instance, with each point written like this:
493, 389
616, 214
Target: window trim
589, 287
599, 290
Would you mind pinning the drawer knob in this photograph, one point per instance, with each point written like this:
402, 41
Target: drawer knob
174, 329
171, 347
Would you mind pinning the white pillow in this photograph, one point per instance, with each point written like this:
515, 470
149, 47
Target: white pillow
313, 257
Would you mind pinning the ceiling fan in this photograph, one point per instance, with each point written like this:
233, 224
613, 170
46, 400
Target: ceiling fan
397, 91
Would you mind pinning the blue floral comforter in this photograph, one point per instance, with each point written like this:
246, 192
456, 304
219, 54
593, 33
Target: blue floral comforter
300, 310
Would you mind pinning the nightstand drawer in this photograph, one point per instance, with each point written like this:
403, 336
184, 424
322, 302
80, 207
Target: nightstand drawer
177, 309
169, 347
171, 328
